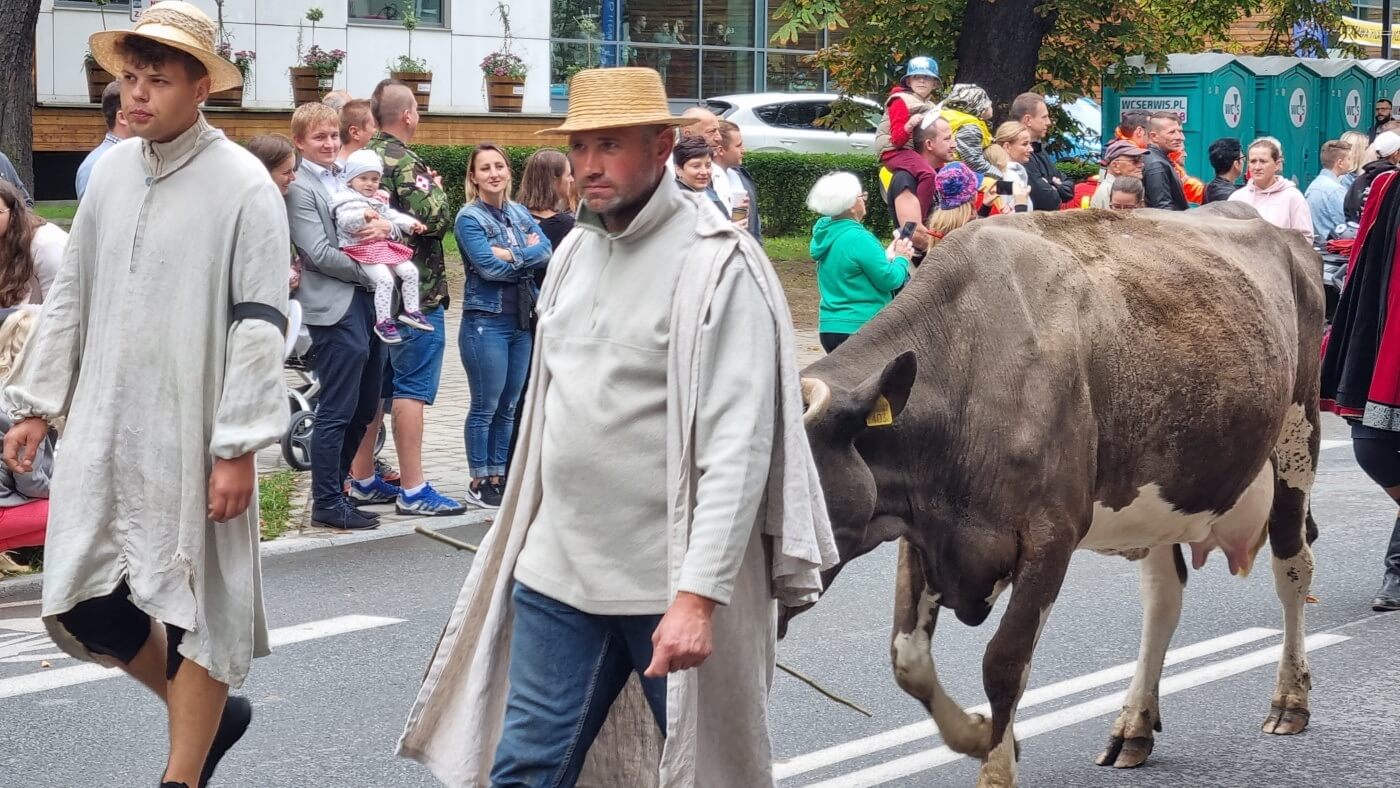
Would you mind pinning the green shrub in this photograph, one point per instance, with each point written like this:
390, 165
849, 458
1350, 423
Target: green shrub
1077, 170
783, 180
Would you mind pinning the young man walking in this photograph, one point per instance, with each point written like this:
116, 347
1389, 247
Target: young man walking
666, 347
161, 343
416, 361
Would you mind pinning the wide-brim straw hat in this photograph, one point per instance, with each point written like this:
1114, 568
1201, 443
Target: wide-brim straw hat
615, 98
178, 25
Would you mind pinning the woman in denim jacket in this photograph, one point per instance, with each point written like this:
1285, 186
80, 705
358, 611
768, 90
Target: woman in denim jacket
502, 247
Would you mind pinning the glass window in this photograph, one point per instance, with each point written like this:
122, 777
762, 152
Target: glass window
804, 41
660, 21
678, 69
122, 7
727, 23
429, 12
726, 71
569, 59
792, 73
580, 19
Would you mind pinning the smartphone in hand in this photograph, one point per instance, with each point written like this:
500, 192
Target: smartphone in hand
907, 231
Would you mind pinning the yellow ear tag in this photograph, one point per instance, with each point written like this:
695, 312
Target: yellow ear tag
880, 415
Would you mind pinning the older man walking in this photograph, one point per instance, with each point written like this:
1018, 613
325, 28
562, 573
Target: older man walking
666, 347
1160, 181
165, 356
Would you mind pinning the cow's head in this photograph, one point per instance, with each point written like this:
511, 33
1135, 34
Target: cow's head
848, 406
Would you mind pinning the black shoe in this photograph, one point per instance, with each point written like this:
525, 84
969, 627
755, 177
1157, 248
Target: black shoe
238, 712
171, 784
343, 517
1388, 598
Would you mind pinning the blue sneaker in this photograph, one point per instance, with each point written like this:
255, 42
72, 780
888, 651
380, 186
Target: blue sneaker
428, 503
377, 491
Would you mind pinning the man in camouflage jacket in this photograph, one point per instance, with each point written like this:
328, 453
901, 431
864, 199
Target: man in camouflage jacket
417, 361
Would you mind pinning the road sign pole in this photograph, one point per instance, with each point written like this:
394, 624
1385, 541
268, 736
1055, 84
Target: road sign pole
1385, 29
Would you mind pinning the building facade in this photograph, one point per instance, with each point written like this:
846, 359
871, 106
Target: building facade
702, 48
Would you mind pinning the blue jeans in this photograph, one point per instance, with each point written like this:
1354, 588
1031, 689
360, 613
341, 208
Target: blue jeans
566, 669
496, 354
417, 361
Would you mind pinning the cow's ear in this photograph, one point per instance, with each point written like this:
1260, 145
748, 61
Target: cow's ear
884, 394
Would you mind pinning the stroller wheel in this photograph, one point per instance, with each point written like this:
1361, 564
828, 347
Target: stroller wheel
296, 441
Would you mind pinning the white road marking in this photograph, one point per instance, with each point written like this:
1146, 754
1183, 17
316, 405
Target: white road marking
820, 759
29, 603
88, 671
1088, 710
1334, 444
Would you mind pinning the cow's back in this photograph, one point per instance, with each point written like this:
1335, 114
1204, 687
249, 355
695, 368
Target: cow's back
1154, 348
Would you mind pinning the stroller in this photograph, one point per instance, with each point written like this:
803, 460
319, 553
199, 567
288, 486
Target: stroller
303, 387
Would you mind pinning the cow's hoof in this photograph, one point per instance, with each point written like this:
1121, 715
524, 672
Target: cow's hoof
1124, 753
1286, 722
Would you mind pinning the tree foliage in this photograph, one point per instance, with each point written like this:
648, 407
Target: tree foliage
1076, 43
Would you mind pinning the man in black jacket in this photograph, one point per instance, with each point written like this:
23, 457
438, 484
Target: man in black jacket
1048, 190
1227, 159
1387, 147
730, 156
1160, 182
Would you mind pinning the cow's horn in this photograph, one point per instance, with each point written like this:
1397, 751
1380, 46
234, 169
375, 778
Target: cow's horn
817, 396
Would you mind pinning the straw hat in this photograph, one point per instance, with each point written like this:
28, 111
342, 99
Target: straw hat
612, 98
178, 25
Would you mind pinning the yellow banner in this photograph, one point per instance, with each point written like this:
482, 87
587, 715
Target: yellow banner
1359, 31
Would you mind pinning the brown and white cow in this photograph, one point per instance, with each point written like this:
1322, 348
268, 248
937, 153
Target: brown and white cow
1125, 383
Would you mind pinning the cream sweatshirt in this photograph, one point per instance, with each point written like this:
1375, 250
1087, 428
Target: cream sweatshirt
599, 540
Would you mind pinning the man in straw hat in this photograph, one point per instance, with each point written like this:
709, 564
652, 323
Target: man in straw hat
665, 348
161, 342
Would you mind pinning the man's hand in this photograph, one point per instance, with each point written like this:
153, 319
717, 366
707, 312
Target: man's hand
432, 173
231, 486
684, 638
22, 444
419, 228
377, 230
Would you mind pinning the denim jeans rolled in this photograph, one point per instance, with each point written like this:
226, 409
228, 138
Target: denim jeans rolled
566, 669
496, 354
349, 363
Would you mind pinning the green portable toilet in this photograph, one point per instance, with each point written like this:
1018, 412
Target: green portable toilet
1348, 90
1211, 92
1288, 98
1386, 74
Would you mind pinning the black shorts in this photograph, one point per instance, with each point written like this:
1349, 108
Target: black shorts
114, 626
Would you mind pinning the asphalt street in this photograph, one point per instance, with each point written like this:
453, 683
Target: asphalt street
355, 626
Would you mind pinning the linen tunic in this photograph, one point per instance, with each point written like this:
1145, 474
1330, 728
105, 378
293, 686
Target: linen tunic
135, 347
717, 721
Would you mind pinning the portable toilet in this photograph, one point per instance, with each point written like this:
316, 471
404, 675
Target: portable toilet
1288, 98
1348, 90
1386, 74
1210, 92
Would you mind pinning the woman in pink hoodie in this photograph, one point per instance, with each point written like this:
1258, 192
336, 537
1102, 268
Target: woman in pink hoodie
1276, 198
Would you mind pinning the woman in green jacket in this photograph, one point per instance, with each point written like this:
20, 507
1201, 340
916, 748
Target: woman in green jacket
856, 276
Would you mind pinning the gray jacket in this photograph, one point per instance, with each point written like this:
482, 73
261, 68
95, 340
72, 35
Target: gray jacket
330, 277
17, 489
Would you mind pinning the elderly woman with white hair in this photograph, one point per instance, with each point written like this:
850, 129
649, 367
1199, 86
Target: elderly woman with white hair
856, 277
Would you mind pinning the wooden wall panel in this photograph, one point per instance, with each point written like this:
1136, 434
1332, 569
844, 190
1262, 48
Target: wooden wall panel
71, 128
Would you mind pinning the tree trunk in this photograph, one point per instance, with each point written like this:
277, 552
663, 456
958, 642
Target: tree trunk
17, 84
999, 47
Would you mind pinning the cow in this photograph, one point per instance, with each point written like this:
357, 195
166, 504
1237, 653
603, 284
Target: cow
1083, 380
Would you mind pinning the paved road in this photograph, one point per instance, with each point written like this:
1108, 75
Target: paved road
357, 623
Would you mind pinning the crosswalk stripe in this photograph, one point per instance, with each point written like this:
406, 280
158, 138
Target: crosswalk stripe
1024, 729
829, 756
81, 674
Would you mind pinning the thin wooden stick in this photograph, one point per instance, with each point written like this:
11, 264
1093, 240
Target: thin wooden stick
457, 543
823, 690
460, 545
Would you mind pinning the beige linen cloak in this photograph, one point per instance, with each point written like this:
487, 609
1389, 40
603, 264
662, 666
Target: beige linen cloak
135, 347
717, 731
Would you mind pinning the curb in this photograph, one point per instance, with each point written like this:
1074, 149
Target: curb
307, 538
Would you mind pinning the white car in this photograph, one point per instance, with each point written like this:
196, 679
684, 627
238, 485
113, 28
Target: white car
786, 122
